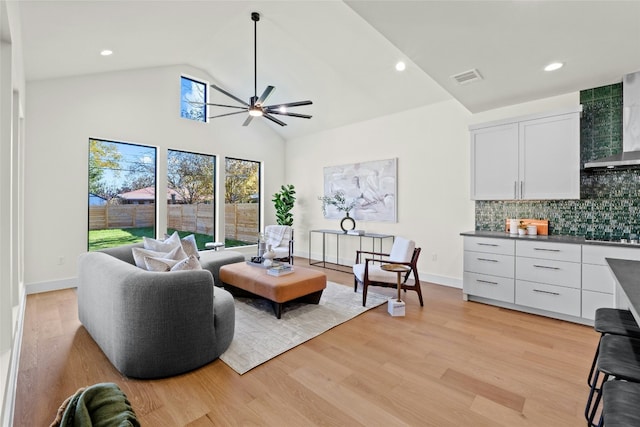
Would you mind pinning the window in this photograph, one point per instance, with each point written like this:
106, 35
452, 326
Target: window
122, 199
193, 99
242, 202
191, 195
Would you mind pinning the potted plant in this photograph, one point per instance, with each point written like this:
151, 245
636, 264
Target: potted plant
283, 202
339, 200
522, 228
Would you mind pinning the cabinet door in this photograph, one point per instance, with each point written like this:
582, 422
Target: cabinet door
494, 162
550, 157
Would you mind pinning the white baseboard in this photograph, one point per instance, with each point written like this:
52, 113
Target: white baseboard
53, 285
425, 277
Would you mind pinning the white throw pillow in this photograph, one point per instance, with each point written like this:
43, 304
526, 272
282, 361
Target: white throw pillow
189, 244
190, 263
159, 264
139, 254
166, 245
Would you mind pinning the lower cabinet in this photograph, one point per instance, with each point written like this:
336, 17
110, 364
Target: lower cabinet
570, 280
548, 276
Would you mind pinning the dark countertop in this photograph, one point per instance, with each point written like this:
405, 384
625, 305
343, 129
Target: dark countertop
627, 274
579, 240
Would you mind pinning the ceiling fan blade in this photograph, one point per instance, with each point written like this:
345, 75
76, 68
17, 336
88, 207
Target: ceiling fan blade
265, 95
246, 122
219, 89
228, 114
273, 119
289, 104
302, 116
217, 105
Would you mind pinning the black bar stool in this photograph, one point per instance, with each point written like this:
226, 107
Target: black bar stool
620, 404
616, 322
619, 357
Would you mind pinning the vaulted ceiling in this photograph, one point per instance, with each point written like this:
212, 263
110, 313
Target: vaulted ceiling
341, 54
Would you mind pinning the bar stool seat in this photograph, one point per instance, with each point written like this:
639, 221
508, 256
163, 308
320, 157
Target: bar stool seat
621, 404
616, 322
618, 358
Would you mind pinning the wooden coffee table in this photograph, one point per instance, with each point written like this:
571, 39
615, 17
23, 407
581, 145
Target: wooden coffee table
304, 284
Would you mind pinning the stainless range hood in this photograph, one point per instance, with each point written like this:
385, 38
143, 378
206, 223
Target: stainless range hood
630, 155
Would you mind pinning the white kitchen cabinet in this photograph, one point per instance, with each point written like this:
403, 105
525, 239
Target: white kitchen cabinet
548, 276
529, 158
598, 283
489, 268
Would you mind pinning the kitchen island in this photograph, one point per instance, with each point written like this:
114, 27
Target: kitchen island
627, 276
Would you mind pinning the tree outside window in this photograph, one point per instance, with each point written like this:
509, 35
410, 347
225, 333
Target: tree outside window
191, 188
242, 202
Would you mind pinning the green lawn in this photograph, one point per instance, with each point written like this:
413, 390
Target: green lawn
108, 238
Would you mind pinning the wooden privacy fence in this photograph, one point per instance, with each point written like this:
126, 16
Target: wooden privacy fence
241, 219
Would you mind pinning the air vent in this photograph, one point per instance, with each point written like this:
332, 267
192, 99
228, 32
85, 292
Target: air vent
467, 77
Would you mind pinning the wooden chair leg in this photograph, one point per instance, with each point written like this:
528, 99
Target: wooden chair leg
364, 294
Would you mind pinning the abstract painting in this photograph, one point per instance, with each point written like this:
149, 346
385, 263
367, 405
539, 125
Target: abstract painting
372, 185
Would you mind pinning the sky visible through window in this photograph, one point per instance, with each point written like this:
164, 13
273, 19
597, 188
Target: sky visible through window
192, 93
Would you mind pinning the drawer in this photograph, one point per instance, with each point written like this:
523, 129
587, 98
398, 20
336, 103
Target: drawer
492, 264
488, 245
591, 301
598, 278
560, 273
593, 254
482, 285
548, 297
555, 251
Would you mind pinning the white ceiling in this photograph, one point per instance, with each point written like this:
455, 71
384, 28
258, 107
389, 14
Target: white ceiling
341, 55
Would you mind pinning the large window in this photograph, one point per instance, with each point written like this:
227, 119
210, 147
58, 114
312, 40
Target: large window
122, 199
193, 99
191, 188
242, 202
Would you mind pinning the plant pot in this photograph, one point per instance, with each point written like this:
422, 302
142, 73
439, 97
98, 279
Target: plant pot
345, 223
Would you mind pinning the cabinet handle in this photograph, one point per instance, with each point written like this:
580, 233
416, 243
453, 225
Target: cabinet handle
546, 292
487, 259
546, 266
521, 189
546, 250
515, 189
487, 244
486, 281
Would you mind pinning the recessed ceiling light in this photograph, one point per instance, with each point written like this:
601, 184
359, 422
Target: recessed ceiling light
106, 52
553, 66
400, 66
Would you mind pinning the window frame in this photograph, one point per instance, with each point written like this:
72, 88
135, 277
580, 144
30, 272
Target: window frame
205, 107
155, 185
260, 190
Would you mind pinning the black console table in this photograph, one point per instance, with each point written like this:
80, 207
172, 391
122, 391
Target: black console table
339, 234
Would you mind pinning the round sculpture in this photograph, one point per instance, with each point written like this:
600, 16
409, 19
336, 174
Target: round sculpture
347, 219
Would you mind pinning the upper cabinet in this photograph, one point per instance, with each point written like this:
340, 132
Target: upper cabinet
530, 158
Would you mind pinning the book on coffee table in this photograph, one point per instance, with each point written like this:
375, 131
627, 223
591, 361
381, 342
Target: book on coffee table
280, 270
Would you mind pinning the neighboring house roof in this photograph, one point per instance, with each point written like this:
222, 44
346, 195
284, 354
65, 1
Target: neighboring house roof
95, 200
148, 193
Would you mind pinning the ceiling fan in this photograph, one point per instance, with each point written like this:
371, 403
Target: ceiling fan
256, 106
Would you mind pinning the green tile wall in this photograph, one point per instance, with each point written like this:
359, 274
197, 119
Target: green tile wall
610, 199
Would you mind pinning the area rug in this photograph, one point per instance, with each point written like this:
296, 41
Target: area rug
260, 336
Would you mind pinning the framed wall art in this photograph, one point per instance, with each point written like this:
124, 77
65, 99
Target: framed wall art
371, 185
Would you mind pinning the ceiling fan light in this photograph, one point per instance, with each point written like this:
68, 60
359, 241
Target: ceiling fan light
282, 109
255, 112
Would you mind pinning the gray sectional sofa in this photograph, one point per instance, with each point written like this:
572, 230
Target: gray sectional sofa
155, 324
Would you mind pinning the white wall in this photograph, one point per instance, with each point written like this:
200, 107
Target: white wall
431, 145
142, 107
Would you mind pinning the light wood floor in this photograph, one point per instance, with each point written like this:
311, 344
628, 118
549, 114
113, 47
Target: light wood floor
451, 363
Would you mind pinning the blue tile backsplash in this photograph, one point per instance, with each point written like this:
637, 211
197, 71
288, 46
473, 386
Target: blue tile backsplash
609, 207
